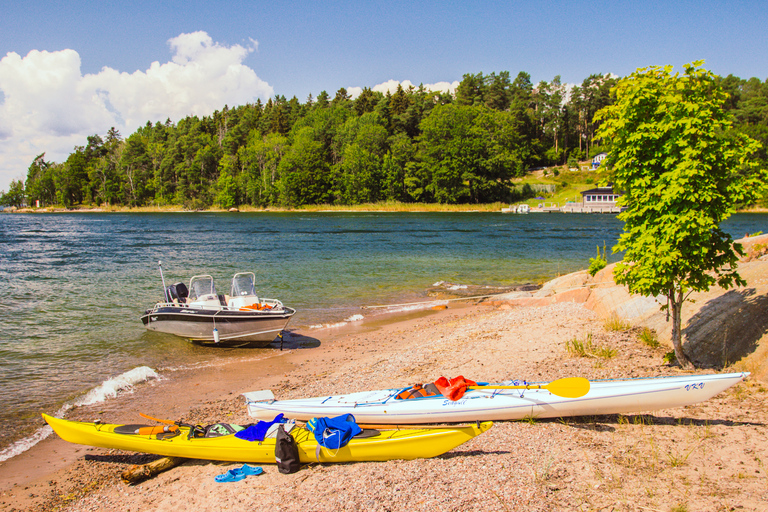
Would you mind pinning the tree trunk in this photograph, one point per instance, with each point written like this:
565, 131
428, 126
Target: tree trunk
676, 304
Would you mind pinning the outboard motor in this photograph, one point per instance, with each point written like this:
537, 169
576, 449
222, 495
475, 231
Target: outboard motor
178, 292
183, 292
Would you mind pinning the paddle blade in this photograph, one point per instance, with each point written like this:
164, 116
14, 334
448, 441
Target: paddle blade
569, 387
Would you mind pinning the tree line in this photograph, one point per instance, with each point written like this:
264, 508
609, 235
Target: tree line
413, 145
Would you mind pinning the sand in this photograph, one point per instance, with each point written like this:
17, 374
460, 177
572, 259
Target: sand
711, 456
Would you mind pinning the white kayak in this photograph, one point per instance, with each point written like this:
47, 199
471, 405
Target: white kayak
604, 397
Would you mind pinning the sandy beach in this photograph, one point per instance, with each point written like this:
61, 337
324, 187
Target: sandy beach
711, 456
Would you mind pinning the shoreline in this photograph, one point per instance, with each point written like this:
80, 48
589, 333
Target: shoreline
506, 336
364, 208
168, 396
536, 465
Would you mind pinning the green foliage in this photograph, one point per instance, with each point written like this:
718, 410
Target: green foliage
598, 263
468, 153
670, 357
15, 194
682, 172
412, 145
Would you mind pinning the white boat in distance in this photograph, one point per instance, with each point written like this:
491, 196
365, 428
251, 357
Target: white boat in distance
203, 316
520, 208
604, 397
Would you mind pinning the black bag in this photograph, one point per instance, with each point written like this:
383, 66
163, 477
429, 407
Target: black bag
286, 452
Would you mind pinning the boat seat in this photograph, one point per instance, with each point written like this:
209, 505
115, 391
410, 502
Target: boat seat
207, 301
241, 302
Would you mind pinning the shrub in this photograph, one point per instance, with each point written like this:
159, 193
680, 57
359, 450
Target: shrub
597, 264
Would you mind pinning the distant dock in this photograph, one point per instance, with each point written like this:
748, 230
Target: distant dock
576, 208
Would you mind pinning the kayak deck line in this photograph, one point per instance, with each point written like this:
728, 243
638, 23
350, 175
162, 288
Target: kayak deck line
608, 396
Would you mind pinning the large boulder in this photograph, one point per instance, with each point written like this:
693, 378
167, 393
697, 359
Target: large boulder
720, 327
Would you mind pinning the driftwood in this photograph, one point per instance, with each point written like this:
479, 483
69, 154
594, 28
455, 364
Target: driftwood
136, 474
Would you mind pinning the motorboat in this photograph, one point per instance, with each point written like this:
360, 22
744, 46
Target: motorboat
200, 314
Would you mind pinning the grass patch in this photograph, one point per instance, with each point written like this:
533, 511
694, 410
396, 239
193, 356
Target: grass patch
649, 337
587, 348
614, 323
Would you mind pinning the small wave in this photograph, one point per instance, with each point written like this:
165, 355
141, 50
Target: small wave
106, 390
328, 326
449, 286
414, 307
25, 444
354, 318
111, 387
218, 363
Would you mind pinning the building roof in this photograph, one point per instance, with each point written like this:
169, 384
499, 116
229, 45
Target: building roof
601, 190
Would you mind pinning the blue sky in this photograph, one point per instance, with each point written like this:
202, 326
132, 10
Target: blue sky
91, 63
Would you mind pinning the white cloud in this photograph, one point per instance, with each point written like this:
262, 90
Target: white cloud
48, 105
391, 87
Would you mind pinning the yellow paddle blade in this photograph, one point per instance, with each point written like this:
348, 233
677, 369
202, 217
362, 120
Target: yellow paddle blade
569, 387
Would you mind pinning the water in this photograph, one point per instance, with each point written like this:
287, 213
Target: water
75, 285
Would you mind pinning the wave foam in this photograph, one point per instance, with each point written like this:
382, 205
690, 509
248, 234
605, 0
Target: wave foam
107, 389
110, 388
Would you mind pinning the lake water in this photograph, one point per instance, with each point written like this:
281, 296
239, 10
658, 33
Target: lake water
75, 285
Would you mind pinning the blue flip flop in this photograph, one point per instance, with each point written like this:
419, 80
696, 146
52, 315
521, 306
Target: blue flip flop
233, 475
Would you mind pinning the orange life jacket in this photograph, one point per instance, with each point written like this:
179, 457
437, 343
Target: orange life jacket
415, 391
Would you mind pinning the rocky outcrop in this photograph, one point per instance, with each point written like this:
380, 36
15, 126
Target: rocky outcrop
720, 327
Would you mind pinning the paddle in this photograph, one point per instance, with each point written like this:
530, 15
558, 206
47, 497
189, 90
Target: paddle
569, 387
171, 426
169, 422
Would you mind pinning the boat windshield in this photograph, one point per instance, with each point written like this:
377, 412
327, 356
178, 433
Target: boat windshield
201, 286
243, 285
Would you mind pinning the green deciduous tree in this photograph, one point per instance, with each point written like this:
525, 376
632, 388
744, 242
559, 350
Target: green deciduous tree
15, 194
305, 177
682, 172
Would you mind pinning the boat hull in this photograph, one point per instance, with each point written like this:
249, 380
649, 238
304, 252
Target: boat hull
604, 397
388, 445
233, 326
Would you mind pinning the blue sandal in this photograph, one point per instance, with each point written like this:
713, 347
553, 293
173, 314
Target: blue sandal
233, 475
249, 470
237, 474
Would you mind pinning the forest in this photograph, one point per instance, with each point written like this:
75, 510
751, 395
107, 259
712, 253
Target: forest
412, 146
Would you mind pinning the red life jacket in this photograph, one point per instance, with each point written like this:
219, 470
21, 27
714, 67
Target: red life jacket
455, 388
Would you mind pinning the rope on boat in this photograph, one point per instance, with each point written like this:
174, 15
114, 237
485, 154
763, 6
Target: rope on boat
427, 302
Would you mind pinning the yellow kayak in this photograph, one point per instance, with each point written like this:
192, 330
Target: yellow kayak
405, 444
